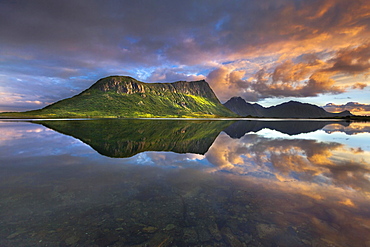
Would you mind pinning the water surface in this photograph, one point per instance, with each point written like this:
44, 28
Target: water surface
184, 183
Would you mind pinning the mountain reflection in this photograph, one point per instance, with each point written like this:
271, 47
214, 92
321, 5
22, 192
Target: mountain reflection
119, 138
238, 129
125, 138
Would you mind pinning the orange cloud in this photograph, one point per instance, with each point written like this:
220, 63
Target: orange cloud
352, 60
304, 76
347, 202
289, 72
354, 107
359, 85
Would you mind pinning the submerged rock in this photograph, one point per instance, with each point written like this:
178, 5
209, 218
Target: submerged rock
72, 240
149, 229
230, 238
266, 230
190, 235
160, 239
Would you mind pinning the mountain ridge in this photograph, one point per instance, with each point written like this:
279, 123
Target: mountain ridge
129, 85
124, 96
290, 109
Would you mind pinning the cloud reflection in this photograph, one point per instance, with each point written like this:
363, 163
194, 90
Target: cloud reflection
259, 189
286, 160
352, 129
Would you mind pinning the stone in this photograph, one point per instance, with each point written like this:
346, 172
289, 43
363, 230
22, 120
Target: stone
149, 229
231, 239
190, 235
203, 234
215, 232
265, 230
15, 234
169, 227
72, 240
160, 239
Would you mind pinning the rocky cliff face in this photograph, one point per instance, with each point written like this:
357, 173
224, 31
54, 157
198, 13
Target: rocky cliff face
129, 85
119, 84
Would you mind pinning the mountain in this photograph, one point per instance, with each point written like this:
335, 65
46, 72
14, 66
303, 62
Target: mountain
242, 108
291, 109
123, 96
122, 138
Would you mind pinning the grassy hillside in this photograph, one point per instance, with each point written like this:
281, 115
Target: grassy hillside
119, 96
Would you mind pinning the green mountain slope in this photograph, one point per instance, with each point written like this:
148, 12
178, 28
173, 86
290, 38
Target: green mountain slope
122, 96
121, 138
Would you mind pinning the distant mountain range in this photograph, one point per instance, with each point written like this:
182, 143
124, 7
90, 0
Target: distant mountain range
291, 109
126, 97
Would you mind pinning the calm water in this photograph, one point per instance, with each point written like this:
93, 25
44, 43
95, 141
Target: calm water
184, 183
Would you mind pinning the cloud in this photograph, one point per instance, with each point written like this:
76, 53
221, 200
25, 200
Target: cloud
352, 60
354, 107
80, 42
352, 129
292, 159
284, 81
308, 75
359, 85
171, 75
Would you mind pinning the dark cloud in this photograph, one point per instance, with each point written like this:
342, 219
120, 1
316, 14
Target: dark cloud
68, 40
352, 60
147, 32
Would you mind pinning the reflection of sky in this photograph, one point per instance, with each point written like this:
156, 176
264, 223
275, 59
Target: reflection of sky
354, 141
269, 154
36, 141
308, 157
316, 157
299, 178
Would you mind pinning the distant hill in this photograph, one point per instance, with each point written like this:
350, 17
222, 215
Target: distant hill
239, 106
291, 109
123, 96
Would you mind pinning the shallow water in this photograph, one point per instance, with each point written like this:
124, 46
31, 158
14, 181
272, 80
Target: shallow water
184, 183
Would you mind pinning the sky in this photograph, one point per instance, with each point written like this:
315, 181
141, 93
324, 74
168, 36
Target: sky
269, 51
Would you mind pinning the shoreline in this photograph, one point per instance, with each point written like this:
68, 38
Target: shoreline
185, 119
